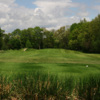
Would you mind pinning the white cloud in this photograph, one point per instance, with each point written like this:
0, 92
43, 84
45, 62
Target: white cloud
60, 11
8, 2
97, 7
54, 7
48, 13
4, 8
83, 14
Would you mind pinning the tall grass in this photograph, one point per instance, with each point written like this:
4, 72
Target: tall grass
36, 86
88, 87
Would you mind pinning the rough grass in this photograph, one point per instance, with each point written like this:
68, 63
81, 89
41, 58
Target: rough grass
49, 73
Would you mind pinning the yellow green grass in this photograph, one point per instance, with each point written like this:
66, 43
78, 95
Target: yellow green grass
49, 56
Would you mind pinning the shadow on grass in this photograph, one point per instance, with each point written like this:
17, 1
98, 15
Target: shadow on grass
30, 66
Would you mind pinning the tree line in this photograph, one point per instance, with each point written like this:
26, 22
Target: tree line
83, 36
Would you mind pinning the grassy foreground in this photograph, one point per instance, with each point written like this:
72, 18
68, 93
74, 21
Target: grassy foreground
49, 74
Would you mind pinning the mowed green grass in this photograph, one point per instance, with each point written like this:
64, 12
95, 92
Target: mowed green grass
50, 61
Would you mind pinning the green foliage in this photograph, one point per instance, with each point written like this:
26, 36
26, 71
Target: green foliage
85, 36
61, 38
28, 44
1, 38
48, 39
39, 37
6, 39
95, 34
16, 32
14, 43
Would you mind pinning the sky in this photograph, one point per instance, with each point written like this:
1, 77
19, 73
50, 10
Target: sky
51, 14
